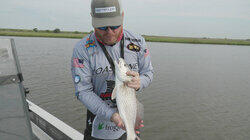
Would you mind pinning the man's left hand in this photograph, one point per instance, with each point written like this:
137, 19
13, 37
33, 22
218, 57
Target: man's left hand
135, 82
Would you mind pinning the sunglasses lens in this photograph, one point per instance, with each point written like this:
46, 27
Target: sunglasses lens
103, 28
111, 27
114, 27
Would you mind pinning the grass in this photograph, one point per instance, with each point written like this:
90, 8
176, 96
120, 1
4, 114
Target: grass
197, 40
78, 35
42, 33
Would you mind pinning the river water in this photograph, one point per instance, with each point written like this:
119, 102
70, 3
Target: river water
199, 92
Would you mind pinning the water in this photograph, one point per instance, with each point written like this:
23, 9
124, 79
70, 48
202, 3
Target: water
198, 92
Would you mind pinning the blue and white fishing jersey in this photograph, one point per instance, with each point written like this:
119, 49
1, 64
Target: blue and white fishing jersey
93, 76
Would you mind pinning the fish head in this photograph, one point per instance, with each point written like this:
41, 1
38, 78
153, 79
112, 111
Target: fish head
121, 68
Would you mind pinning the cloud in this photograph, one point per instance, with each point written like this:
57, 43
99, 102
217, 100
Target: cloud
44, 14
238, 9
181, 17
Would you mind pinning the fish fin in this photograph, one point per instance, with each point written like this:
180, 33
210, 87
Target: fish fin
113, 96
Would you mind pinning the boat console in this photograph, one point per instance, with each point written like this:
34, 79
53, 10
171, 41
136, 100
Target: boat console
20, 119
14, 118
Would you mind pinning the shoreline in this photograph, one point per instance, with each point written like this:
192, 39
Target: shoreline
79, 35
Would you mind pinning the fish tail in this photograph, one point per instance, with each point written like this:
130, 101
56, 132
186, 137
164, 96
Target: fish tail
132, 137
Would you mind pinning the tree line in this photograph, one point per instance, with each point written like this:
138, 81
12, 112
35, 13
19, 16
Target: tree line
49, 31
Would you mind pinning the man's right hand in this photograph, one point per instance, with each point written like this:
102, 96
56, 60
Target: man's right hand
116, 118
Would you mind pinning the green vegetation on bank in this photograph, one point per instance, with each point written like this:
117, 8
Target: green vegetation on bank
198, 40
42, 33
56, 33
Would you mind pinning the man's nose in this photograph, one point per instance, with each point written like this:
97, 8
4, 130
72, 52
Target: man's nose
109, 30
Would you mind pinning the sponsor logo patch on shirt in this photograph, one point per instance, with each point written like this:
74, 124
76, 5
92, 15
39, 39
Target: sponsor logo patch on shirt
78, 63
77, 79
103, 70
133, 47
146, 52
90, 43
133, 39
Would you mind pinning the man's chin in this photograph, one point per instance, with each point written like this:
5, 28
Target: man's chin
110, 42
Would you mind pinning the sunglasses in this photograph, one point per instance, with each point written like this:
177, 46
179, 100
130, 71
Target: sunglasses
106, 27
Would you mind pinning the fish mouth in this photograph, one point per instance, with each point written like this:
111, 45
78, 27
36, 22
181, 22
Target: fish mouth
120, 60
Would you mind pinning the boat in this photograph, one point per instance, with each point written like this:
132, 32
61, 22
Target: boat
20, 118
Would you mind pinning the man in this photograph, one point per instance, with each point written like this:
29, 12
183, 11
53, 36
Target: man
93, 69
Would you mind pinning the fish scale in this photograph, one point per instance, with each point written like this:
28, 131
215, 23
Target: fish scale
127, 110
125, 98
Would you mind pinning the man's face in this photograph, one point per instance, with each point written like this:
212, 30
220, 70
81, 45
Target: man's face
109, 36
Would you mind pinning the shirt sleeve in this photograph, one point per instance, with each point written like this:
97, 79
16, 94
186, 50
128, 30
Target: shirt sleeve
82, 75
145, 66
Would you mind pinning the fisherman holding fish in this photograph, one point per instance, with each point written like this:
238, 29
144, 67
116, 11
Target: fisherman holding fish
108, 67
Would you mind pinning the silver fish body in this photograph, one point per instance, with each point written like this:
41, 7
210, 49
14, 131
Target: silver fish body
125, 99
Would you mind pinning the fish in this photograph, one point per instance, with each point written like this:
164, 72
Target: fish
127, 103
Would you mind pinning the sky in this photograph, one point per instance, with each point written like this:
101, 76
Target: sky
178, 18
